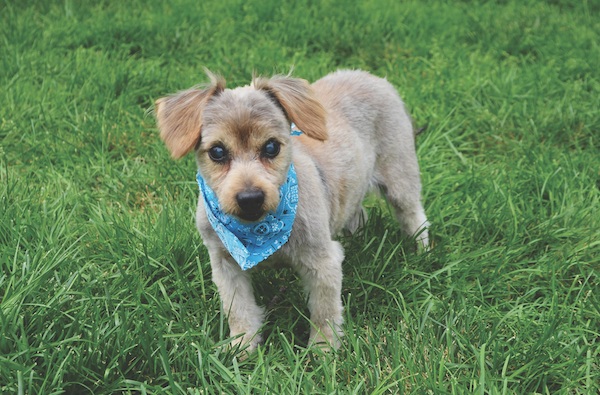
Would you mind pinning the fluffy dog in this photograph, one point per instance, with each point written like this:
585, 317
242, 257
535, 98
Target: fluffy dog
355, 135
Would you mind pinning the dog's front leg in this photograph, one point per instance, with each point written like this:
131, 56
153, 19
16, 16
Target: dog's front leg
235, 288
322, 279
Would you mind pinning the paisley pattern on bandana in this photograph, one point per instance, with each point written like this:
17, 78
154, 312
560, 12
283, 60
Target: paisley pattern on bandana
251, 243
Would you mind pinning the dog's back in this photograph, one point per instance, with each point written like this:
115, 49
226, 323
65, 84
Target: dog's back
370, 144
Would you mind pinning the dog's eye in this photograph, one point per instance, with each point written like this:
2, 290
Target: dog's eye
217, 153
271, 149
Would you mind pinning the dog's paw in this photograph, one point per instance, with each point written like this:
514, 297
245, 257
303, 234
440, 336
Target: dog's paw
244, 345
423, 243
325, 339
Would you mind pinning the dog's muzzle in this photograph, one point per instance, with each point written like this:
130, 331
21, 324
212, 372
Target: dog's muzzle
251, 204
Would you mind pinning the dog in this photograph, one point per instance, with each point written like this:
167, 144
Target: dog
283, 167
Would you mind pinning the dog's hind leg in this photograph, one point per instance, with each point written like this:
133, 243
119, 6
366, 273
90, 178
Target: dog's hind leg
397, 169
400, 181
404, 196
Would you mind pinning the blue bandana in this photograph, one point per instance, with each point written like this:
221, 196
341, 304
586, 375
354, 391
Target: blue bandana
294, 130
250, 243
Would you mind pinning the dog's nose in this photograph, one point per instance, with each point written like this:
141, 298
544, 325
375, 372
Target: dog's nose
251, 201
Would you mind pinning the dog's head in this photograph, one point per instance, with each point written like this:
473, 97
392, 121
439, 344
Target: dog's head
241, 137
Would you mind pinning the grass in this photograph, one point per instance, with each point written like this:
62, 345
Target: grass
105, 285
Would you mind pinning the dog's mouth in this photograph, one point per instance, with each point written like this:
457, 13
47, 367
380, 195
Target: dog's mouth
250, 216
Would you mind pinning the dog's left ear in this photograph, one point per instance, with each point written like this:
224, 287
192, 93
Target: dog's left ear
297, 99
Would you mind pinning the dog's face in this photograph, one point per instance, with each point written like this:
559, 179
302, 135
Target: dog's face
242, 137
244, 152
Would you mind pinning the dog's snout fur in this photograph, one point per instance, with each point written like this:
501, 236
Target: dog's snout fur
356, 135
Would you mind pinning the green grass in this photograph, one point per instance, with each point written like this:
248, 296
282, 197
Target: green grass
105, 285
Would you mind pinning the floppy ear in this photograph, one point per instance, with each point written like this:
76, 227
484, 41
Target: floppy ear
297, 99
179, 116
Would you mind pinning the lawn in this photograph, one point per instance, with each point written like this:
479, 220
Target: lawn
105, 286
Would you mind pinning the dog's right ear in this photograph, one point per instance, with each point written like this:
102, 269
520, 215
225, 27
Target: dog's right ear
179, 116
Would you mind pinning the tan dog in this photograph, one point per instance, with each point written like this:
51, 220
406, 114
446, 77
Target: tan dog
356, 136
